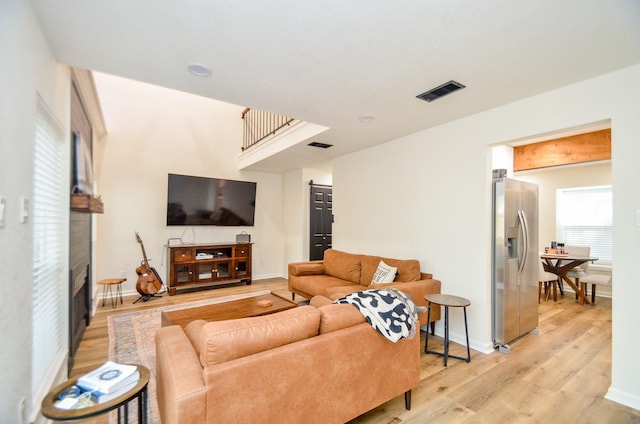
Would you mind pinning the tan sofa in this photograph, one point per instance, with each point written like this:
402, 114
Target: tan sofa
341, 273
309, 364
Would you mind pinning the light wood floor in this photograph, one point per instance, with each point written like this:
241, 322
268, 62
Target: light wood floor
558, 376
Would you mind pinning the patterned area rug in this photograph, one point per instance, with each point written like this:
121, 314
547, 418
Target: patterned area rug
132, 341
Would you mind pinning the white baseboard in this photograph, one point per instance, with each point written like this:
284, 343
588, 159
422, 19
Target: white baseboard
600, 291
133, 292
623, 398
460, 339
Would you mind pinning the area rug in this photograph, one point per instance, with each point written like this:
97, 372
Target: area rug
132, 341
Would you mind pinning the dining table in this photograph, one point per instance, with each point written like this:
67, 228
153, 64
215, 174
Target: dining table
561, 264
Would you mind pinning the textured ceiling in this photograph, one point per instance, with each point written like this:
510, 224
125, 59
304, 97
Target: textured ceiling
329, 62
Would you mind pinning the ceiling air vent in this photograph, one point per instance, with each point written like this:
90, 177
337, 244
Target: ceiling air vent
320, 145
440, 91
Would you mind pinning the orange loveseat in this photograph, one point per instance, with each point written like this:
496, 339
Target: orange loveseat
342, 273
307, 365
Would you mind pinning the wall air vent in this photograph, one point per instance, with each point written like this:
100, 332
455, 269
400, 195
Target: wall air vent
440, 91
320, 145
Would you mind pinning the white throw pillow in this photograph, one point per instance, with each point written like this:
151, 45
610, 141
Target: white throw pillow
384, 273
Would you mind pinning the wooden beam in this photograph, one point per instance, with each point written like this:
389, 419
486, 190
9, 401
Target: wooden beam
579, 148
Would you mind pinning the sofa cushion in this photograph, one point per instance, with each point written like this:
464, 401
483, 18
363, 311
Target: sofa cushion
337, 292
227, 340
384, 274
318, 301
193, 330
345, 266
317, 284
336, 317
408, 269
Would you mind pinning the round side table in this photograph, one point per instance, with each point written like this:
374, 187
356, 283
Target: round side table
447, 301
107, 288
139, 391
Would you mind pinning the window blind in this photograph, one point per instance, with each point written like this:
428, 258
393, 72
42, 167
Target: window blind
49, 283
585, 218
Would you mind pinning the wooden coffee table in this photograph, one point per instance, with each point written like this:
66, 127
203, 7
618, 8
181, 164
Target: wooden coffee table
240, 308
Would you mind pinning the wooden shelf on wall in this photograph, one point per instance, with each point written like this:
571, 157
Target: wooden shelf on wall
86, 203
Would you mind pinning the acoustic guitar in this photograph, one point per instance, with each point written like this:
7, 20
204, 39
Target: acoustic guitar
149, 282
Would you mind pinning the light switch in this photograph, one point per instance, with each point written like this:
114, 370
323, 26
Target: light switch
2, 207
24, 210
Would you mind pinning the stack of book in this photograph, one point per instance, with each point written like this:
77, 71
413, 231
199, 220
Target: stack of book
108, 382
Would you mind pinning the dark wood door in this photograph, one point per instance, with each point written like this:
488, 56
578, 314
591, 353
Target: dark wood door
321, 219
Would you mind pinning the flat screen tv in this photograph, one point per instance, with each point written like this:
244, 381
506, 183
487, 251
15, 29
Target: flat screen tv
210, 201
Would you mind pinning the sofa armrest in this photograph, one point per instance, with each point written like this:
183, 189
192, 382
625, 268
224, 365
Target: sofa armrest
180, 383
426, 276
306, 268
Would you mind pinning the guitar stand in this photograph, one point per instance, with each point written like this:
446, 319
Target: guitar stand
145, 297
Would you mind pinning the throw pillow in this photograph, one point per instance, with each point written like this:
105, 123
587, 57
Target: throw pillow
384, 274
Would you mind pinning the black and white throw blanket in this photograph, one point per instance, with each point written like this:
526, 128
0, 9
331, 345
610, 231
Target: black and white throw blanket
391, 312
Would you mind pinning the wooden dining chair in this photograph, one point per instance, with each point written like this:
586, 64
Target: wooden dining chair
594, 280
579, 272
548, 280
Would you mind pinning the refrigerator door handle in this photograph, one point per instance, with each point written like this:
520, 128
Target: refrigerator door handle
525, 238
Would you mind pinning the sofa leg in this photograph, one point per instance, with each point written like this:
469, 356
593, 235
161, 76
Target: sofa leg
293, 296
407, 400
433, 327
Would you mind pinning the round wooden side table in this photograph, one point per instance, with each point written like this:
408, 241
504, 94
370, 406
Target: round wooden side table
139, 391
107, 285
447, 301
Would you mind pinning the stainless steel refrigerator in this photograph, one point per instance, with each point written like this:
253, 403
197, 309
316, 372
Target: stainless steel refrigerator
515, 261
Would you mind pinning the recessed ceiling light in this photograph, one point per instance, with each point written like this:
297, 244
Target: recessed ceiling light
199, 70
366, 118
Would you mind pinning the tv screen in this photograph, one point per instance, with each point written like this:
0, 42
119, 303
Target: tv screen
210, 201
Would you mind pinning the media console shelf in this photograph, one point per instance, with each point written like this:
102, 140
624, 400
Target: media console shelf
201, 265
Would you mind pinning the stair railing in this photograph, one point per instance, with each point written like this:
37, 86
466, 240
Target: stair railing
259, 125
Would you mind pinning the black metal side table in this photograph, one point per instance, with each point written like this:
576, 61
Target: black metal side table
447, 301
139, 391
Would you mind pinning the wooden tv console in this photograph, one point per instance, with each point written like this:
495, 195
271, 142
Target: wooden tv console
193, 266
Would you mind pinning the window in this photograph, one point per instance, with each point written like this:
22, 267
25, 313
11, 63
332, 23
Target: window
49, 258
585, 218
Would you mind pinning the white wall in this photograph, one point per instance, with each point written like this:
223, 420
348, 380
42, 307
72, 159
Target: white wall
433, 202
153, 131
27, 69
